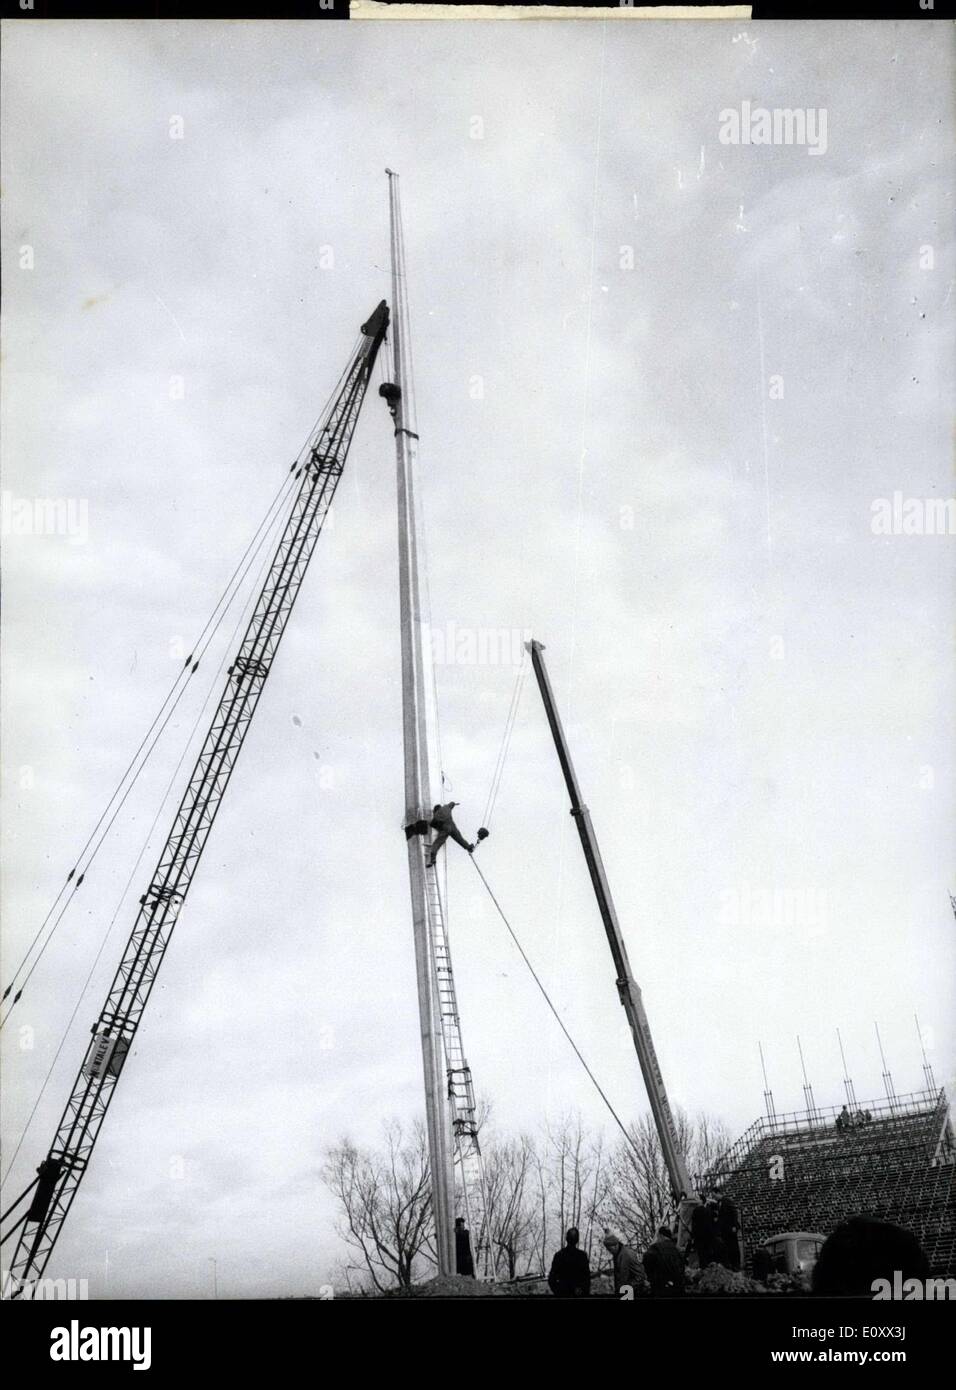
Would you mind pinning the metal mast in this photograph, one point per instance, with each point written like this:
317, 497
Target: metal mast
628, 990
847, 1082
450, 1109
419, 725
928, 1076
320, 466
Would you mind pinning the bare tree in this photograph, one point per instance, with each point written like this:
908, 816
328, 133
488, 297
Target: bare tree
712, 1141
638, 1199
535, 1190
592, 1231
569, 1170
385, 1197
639, 1196
509, 1167
543, 1184
539, 1188
578, 1178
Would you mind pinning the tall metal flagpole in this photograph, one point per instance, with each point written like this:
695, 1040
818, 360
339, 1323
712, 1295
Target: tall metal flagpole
420, 731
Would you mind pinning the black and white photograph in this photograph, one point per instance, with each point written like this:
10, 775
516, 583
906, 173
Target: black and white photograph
478, 677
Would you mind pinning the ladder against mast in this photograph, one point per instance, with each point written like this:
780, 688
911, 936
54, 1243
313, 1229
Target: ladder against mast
458, 1183
457, 1175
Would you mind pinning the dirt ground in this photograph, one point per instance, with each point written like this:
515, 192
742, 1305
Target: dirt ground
715, 1281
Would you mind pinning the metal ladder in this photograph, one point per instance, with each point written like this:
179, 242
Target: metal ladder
469, 1167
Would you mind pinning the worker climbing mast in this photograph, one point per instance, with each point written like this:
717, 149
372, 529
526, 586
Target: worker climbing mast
683, 1193
449, 1093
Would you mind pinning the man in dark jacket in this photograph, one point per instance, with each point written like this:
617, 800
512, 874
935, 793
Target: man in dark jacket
728, 1232
665, 1265
464, 1264
703, 1230
570, 1275
443, 821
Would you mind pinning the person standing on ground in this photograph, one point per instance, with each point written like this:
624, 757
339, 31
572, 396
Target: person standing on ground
728, 1232
664, 1265
703, 1230
464, 1264
628, 1271
570, 1275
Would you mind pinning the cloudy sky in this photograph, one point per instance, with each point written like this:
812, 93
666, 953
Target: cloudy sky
661, 382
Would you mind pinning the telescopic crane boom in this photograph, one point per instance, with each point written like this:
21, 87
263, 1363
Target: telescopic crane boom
630, 994
320, 466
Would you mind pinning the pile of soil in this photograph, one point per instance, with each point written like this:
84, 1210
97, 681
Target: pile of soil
716, 1279
454, 1286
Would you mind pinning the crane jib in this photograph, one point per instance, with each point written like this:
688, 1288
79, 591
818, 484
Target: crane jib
320, 465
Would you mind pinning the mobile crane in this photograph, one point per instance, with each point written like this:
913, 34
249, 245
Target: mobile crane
320, 466
682, 1190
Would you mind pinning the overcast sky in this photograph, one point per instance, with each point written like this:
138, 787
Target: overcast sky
661, 381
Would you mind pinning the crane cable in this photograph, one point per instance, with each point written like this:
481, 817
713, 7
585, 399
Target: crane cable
243, 617
193, 665
152, 736
505, 743
597, 1086
13, 1205
275, 508
20, 1221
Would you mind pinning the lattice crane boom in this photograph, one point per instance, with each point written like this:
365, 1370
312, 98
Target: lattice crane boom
320, 466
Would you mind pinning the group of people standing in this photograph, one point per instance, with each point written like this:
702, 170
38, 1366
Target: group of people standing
662, 1266
714, 1236
715, 1232
847, 1121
